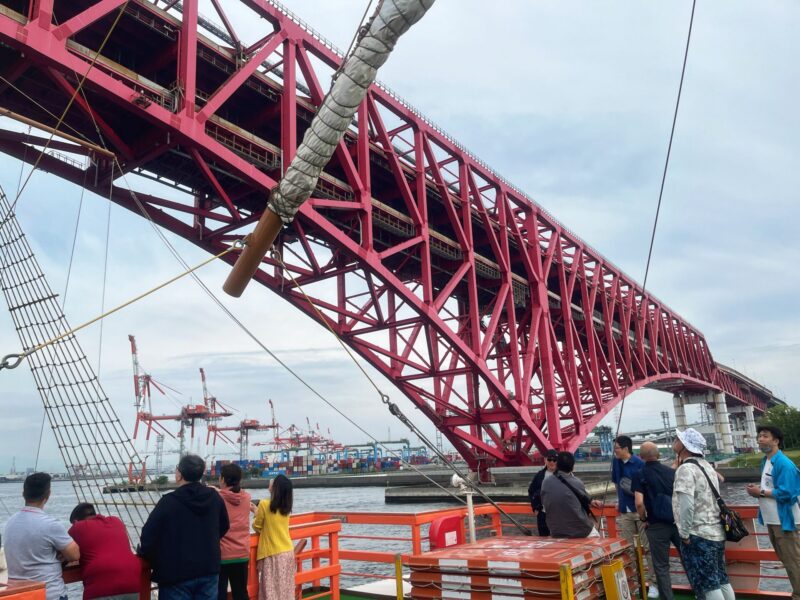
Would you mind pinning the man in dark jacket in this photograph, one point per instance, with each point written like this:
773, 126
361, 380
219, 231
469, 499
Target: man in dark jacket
535, 491
566, 502
652, 490
181, 537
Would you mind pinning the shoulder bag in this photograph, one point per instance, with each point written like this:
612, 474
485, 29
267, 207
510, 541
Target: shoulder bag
731, 521
584, 500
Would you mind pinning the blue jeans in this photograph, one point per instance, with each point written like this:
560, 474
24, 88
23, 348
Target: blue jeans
199, 588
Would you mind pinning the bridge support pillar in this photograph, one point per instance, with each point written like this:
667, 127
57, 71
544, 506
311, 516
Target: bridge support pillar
750, 426
680, 411
722, 424
741, 435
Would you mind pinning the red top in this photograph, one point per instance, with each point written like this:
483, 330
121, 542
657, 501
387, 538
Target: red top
236, 543
108, 566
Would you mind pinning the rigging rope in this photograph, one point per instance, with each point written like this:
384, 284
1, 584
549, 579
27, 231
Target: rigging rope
658, 205
105, 270
86, 428
12, 361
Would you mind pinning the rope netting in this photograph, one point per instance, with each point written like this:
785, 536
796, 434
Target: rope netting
97, 452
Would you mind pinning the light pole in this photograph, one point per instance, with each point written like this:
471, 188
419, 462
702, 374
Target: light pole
667, 429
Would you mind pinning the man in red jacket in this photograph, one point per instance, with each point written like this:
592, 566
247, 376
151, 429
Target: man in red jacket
109, 568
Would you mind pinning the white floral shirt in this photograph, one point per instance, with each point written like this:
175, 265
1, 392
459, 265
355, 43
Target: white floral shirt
689, 480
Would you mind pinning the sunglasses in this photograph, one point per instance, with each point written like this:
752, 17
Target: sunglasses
552, 459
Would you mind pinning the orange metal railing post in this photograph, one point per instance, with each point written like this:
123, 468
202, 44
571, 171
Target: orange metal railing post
315, 560
497, 523
333, 545
416, 538
398, 575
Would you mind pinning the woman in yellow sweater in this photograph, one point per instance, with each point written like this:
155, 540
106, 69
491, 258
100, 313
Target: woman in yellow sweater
276, 562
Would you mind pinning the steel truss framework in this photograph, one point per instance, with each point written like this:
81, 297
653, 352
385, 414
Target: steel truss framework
503, 327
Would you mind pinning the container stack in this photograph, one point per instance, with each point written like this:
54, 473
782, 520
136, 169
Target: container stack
519, 568
305, 465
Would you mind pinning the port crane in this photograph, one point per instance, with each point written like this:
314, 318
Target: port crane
210, 411
244, 428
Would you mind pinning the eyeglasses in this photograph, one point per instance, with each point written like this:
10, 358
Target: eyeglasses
552, 459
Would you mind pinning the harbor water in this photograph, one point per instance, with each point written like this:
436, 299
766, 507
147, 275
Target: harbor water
367, 499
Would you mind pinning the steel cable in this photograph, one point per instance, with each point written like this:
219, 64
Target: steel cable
643, 307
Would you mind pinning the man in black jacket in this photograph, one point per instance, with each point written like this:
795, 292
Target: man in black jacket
652, 488
535, 491
181, 537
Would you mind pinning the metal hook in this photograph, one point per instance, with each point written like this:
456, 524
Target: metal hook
7, 363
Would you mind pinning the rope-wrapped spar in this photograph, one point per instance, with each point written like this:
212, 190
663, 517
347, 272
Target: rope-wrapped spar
391, 20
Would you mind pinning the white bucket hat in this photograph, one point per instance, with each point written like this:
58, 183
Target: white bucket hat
692, 440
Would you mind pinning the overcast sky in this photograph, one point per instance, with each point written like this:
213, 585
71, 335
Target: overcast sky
572, 105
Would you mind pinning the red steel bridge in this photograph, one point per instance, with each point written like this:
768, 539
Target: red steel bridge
504, 328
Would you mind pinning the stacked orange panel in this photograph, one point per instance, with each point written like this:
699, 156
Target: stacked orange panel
518, 568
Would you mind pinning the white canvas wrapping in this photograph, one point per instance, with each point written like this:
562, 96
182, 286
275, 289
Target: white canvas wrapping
392, 19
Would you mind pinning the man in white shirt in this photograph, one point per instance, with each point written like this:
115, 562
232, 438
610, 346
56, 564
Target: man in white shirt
778, 507
696, 513
37, 543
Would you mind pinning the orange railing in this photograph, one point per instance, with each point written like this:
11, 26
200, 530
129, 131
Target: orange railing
22, 591
317, 562
371, 540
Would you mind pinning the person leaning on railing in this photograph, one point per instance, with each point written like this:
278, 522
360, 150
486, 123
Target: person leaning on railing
37, 543
235, 546
778, 504
109, 570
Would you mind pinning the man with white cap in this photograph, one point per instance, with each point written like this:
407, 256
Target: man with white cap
697, 517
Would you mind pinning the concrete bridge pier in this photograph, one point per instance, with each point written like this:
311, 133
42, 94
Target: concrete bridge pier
722, 423
744, 422
680, 411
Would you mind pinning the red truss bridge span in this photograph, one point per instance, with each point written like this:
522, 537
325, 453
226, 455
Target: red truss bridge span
504, 328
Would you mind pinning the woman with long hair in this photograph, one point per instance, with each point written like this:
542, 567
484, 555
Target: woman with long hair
276, 562
235, 545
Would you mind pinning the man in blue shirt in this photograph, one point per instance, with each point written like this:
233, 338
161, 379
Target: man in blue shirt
623, 469
777, 502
